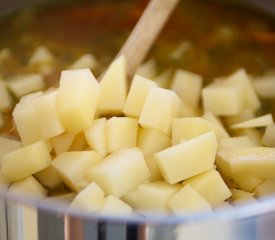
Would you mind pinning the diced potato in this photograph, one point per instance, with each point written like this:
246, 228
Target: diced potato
148, 69
247, 183
25, 84
131, 198
163, 80
96, 136
138, 92
187, 200
245, 115
115, 206
121, 132
190, 127
25, 161
113, 88
85, 61
160, 107
41, 55
219, 128
46, 115
65, 199
90, 198
62, 142
241, 78
5, 99
120, 172
236, 142
269, 136
188, 86
71, 167
221, 100
49, 178
188, 111
79, 143
77, 99
151, 140
255, 161
8, 144
154, 196
265, 86
262, 121
25, 119
4, 184
28, 187
237, 193
266, 188
210, 186
185, 160
254, 134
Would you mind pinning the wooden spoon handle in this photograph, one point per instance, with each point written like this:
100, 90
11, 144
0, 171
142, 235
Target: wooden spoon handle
145, 32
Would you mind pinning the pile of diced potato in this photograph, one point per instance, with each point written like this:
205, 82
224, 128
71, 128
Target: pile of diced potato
117, 149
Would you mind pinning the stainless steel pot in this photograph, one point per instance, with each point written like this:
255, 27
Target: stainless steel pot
26, 219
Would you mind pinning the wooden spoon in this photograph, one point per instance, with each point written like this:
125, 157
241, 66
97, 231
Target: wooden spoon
145, 32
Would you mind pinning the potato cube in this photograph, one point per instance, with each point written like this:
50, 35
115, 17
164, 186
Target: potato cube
28, 187
96, 136
71, 167
237, 194
62, 143
241, 78
131, 198
188, 158
5, 99
8, 144
269, 136
210, 186
262, 121
163, 80
188, 86
41, 55
148, 69
154, 196
137, 94
121, 132
160, 107
115, 206
46, 115
4, 184
155, 173
151, 140
266, 188
245, 115
187, 200
25, 119
255, 161
190, 127
110, 173
236, 142
85, 61
254, 134
246, 182
113, 88
79, 143
221, 100
25, 84
219, 128
77, 99
90, 198
49, 178
25, 161
265, 86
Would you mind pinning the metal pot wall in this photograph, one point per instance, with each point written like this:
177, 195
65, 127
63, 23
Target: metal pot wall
29, 220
